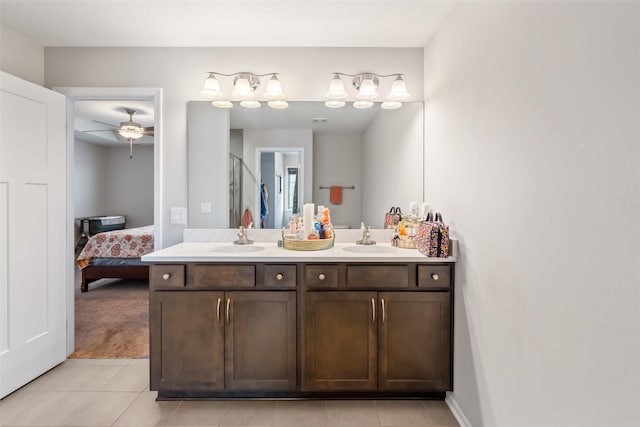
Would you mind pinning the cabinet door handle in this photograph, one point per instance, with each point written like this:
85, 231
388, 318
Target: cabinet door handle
373, 310
279, 276
434, 276
384, 312
228, 310
218, 309
321, 276
166, 276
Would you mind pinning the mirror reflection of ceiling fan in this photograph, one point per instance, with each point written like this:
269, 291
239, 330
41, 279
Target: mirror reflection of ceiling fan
129, 130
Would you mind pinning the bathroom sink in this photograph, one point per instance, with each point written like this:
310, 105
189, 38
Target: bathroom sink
235, 249
368, 249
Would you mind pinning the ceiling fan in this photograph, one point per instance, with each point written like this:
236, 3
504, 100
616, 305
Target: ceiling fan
129, 130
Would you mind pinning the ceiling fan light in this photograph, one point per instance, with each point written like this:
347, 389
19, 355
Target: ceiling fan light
222, 104
242, 88
274, 89
130, 131
391, 105
211, 88
335, 104
250, 104
278, 104
362, 105
367, 89
336, 88
398, 90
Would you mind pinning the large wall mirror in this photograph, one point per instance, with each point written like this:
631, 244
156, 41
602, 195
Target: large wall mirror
265, 163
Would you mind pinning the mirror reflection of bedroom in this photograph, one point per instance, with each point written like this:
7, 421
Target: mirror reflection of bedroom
113, 201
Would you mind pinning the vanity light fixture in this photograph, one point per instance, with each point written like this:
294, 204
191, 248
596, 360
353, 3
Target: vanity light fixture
245, 85
366, 85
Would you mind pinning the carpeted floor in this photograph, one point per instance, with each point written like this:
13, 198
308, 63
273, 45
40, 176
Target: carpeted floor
112, 320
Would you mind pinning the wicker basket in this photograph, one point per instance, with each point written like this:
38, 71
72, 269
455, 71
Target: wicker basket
407, 242
308, 245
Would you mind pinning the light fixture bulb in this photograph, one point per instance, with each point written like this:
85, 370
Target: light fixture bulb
222, 104
367, 89
398, 90
274, 89
130, 131
242, 88
362, 105
250, 104
391, 105
211, 88
278, 104
335, 104
336, 88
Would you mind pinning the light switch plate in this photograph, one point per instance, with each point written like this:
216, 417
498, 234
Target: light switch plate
205, 207
179, 216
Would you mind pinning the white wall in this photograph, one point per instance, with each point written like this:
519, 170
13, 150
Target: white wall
341, 158
208, 165
21, 56
393, 142
107, 182
90, 179
305, 75
130, 184
533, 141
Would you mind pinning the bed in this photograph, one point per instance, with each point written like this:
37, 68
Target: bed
115, 254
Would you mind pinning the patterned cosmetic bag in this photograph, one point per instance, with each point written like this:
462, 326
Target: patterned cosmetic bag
393, 217
433, 237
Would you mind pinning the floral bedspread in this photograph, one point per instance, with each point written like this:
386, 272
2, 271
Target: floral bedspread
127, 243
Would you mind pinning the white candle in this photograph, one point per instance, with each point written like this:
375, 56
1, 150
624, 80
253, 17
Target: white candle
307, 216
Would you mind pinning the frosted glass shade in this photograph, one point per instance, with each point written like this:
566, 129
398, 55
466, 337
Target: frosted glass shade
391, 105
278, 104
335, 104
222, 104
362, 105
398, 90
274, 89
336, 88
242, 89
367, 89
211, 88
130, 132
250, 104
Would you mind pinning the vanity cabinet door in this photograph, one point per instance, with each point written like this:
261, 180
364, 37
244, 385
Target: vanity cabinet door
340, 341
187, 341
415, 341
260, 340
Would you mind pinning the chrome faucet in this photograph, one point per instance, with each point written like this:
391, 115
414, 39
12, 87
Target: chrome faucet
243, 239
366, 237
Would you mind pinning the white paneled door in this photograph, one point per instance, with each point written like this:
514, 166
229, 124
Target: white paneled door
32, 231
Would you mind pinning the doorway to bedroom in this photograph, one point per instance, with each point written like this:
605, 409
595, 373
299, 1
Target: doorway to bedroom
114, 153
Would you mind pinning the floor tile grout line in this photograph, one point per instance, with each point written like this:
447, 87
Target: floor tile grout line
125, 409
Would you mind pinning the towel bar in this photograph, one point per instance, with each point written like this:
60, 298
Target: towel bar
352, 187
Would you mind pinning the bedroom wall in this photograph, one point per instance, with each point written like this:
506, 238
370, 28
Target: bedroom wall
90, 179
130, 184
305, 75
533, 142
21, 56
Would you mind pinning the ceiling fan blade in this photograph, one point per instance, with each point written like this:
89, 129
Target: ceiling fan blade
98, 130
108, 124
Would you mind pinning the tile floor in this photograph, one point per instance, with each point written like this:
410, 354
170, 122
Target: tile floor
115, 392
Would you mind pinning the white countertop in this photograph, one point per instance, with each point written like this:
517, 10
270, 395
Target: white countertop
270, 252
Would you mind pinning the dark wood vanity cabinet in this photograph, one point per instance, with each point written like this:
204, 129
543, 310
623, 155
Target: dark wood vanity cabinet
301, 330
224, 340
393, 340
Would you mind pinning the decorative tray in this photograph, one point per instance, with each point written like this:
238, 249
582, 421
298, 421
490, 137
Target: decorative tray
308, 245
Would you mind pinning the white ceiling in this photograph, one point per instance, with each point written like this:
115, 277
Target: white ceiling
88, 114
273, 23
